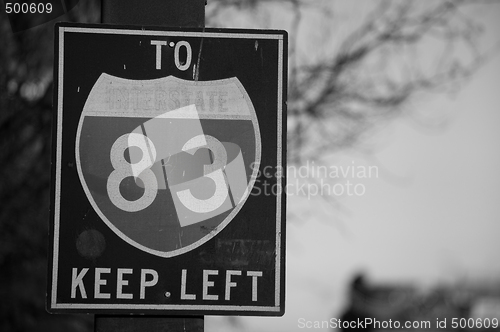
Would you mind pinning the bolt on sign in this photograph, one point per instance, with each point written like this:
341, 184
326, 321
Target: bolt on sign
168, 170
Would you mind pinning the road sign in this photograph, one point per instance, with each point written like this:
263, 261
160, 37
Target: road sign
168, 171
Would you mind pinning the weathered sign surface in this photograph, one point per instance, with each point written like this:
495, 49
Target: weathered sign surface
160, 202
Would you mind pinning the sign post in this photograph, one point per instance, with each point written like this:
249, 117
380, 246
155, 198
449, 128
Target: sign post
182, 13
169, 173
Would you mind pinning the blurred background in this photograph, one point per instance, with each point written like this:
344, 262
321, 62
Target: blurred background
394, 182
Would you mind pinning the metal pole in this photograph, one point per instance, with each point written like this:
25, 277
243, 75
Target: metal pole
107, 323
167, 13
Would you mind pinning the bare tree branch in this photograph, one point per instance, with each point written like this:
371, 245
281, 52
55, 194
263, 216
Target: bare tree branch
367, 80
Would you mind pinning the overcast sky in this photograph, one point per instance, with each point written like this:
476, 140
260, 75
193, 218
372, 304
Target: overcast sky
431, 216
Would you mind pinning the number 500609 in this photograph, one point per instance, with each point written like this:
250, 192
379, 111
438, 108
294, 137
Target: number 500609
474, 323
28, 8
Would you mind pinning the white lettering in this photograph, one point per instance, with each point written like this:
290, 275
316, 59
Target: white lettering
150, 283
120, 282
207, 284
213, 289
77, 281
185, 296
158, 44
100, 282
229, 283
189, 54
254, 275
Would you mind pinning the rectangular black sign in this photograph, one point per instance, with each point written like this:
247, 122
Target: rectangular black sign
168, 168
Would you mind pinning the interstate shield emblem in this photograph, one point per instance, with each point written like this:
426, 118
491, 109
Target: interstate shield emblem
167, 163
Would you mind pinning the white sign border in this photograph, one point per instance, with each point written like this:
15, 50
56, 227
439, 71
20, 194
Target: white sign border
57, 194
